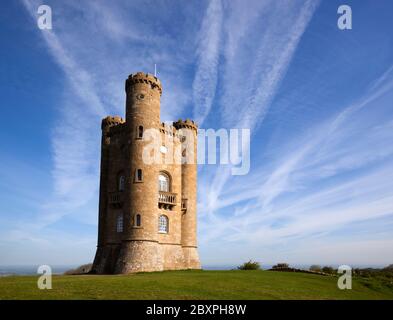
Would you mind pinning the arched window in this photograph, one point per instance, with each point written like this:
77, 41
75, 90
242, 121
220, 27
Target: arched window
119, 223
138, 175
163, 182
163, 224
140, 132
122, 181
138, 220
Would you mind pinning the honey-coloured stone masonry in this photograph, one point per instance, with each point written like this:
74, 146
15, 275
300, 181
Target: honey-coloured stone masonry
147, 212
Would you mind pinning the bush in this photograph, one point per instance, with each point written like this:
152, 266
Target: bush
315, 268
281, 266
250, 265
83, 269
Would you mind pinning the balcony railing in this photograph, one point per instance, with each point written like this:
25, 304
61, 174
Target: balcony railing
166, 200
116, 199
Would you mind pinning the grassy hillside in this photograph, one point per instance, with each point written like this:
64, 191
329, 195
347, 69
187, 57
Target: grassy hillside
194, 285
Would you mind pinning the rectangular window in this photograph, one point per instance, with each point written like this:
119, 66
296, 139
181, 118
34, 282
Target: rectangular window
138, 220
163, 224
119, 223
140, 132
138, 175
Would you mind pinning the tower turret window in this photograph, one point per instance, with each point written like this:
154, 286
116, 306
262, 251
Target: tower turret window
138, 220
140, 132
121, 183
163, 182
163, 224
119, 223
138, 175
140, 96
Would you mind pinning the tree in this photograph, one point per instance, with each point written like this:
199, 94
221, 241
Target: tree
315, 268
250, 265
327, 269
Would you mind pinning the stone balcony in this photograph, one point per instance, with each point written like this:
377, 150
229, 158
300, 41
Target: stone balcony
166, 200
116, 199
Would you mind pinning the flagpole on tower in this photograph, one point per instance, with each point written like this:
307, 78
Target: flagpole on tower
155, 70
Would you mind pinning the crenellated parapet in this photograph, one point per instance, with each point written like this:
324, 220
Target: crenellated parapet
187, 124
146, 78
111, 126
169, 129
111, 121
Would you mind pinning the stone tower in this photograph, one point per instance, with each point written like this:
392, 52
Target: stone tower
148, 187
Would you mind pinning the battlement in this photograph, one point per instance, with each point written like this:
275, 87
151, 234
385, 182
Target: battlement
110, 121
167, 126
169, 129
189, 124
147, 78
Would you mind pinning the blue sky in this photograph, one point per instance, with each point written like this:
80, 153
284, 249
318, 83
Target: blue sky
318, 102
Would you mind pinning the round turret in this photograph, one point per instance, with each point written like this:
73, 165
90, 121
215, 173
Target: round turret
140, 248
146, 78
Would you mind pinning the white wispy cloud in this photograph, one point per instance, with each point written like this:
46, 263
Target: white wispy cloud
319, 183
252, 73
255, 63
206, 76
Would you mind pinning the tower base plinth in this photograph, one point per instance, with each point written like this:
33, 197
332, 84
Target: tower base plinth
191, 258
139, 256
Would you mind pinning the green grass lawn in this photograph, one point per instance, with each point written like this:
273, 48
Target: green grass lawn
194, 285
